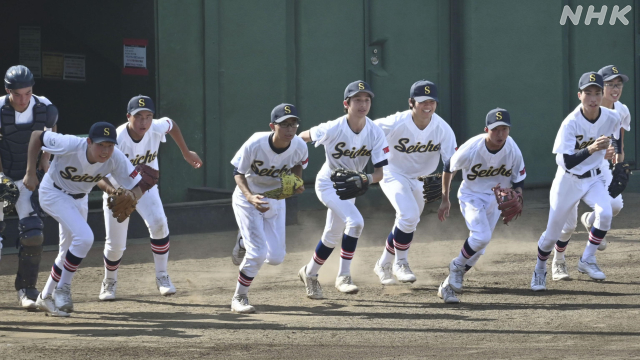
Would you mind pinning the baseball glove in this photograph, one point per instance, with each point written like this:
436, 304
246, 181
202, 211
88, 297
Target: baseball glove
149, 175
288, 185
510, 202
432, 187
9, 193
620, 179
122, 203
349, 183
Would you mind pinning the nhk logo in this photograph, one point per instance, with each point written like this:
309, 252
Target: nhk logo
616, 14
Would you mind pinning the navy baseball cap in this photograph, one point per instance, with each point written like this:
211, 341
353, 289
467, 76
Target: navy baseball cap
139, 103
424, 90
283, 112
611, 72
356, 87
591, 78
103, 131
498, 117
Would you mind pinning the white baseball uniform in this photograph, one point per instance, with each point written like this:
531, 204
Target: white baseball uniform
413, 153
263, 234
616, 203
575, 134
345, 149
481, 171
63, 195
144, 151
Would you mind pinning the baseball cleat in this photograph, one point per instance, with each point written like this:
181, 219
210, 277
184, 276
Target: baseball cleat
311, 284
62, 298
539, 280
24, 301
456, 274
446, 293
344, 284
108, 291
559, 270
603, 244
49, 307
590, 267
403, 272
384, 273
164, 284
240, 304
237, 255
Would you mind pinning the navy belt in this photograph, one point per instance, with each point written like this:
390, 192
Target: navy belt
75, 196
586, 175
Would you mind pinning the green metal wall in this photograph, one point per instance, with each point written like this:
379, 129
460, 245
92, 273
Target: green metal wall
223, 65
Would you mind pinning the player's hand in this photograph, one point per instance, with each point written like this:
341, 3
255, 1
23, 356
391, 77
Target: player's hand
602, 143
443, 210
299, 190
257, 202
611, 152
193, 159
30, 181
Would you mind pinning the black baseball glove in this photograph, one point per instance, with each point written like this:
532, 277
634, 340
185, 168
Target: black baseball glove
620, 179
349, 183
432, 188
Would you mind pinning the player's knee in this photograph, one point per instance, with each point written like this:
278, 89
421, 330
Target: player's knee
605, 215
158, 227
30, 229
114, 252
355, 225
408, 224
257, 255
480, 239
616, 206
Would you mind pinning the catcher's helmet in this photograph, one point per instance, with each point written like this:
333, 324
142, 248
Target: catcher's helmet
9, 194
18, 77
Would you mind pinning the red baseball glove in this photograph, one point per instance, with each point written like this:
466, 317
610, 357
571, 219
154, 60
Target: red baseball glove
510, 203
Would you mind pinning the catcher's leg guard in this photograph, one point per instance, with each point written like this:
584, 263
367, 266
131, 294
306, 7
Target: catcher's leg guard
29, 255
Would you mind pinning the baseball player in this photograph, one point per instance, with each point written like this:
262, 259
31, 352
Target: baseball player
419, 138
580, 147
139, 140
486, 160
76, 168
259, 165
22, 113
349, 142
613, 84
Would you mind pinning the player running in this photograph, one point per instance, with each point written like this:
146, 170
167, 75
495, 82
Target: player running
260, 166
76, 168
613, 84
349, 142
486, 160
419, 138
139, 140
580, 148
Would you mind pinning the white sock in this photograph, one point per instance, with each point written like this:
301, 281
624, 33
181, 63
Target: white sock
589, 250
386, 257
345, 267
241, 289
402, 255
113, 275
541, 265
65, 278
161, 261
557, 255
48, 287
313, 267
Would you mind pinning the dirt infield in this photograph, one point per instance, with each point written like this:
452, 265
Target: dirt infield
499, 318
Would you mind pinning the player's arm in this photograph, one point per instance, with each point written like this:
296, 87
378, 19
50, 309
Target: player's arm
190, 156
105, 185
306, 136
297, 170
445, 205
45, 159
30, 180
573, 160
255, 200
377, 175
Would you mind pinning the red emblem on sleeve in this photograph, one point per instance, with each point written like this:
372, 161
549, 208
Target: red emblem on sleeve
385, 150
456, 149
522, 171
306, 161
133, 174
